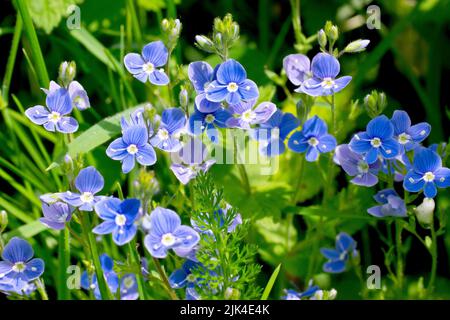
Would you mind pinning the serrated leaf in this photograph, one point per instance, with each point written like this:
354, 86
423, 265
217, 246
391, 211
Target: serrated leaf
94, 136
47, 14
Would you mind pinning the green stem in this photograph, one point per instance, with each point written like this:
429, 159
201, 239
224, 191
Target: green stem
296, 21
434, 258
135, 261
398, 243
135, 21
11, 61
301, 167
64, 261
166, 283
86, 225
41, 289
36, 52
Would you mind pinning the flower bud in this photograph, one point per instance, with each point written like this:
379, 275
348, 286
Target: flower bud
424, 212
375, 103
322, 38
165, 25
218, 39
331, 31
67, 72
232, 294
3, 220
356, 46
184, 98
204, 43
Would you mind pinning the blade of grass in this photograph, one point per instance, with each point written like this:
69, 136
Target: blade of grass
270, 283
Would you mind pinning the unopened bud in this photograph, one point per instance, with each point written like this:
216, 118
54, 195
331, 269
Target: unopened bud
322, 38
204, 43
165, 25
184, 99
67, 72
356, 46
375, 103
3, 220
424, 212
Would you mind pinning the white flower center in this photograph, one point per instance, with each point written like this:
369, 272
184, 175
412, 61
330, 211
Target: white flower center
54, 117
375, 142
232, 87
168, 240
248, 116
87, 197
191, 278
120, 220
148, 67
163, 134
363, 167
210, 118
132, 149
328, 83
313, 141
404, 138
428, 176
19, 267
128, 282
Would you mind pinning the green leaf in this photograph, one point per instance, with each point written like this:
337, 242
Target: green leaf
28, 230
47, 14
271, 282
94, 136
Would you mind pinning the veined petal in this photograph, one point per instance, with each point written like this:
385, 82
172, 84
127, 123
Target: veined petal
133, 62
365, 180
390, 148
59, 101
289, 122
327, 143
128, 163
297, 68
105, 227
419, 132
124, 234
136, 135
231, 71
34, 269
164, 221
380, 127
413, 182
183, 173
340, 83
263, 112
324, 65
117, 150
442, 177
107, 208
156, 249
67, 125
429, 190
314, 127
173, 119
248, 90
186, 237
401, 121
297, 142
216, 92
156, 53
312, 87
130, 209
146, 155
200, 73
360, 143
204, 105
426, 160
17, 250
89, 180
37, 114
158, 77
312, 154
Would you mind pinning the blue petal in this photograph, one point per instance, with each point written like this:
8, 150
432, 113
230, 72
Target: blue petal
212, 133
336, 266
196, 122
233, 98
359, 143
168, 145
248, 90
156, 53
34, 269
324, 65
327, 143
345, 242
376, 211
108, 208
178, 279
429, 190
173, 119
164, 221
314, 127
442, 177
133, 62
59, 101
89, 180
426, 160
117, 150
297, 68
50, 126
221, 117
365, 180
204, 105
146, 155
297, 142
313, 87
186, 237
312, 154
340, 83
155, 247
79, 96
216, 92
67, 125
390, 148
130, 208
105, 227
200, 73
275, 147
231, 71
124, 234
401, 121
136, 135
128, 163
371, 156
17, 250
182, 172
37, 114
330, 254
380, 127
413, 182
419, 132
288, 123
263, 112
382, 196
275, 120
107, 263
158, 77
5, 268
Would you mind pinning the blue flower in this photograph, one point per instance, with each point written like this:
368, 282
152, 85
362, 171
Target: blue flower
391, 205
190, 161
427, 173
119, 218
167, 233
54, 115
220, 216
312, 139
297, 68
325, 69
18, 266
183, 277
88, 182
78, 95
201, 75
377, 140
245, 114
129, 287
274, 132
173, 123
294, 295
356, 166
408, 136
145, 67
199, 122
56, 215
231, 84
132, 146
111, 278
337, 258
